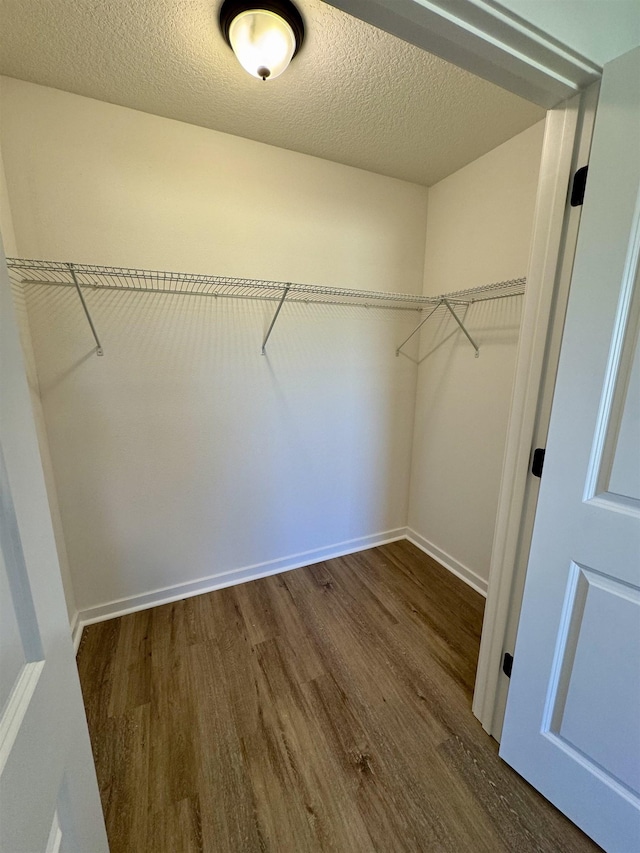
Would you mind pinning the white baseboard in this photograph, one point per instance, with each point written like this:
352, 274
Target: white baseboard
122, 606
134, 603
463, 572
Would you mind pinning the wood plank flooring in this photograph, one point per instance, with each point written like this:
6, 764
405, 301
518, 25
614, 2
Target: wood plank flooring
325, 709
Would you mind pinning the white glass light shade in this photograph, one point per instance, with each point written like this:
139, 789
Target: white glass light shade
263, 42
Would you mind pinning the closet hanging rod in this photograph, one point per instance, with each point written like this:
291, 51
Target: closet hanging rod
153, 281
156, 281
79, 276
413, 303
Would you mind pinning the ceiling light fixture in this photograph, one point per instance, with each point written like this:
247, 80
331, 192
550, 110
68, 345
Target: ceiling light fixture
265, 35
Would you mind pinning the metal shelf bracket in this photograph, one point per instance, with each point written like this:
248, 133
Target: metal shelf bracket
99, 350
417, 328
447, 305
275, 317
461, 324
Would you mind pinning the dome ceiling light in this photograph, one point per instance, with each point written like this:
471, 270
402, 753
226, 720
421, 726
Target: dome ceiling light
265, 35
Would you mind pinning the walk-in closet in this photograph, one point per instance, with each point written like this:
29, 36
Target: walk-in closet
184, 456
272, 383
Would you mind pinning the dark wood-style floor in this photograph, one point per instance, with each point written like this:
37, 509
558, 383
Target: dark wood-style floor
325, 709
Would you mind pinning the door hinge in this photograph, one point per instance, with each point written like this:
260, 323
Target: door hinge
538, 462
507, 664
579, 186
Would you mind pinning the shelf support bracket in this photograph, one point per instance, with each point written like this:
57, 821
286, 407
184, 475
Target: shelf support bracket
461, 324
99, 350
418, 327
275, 317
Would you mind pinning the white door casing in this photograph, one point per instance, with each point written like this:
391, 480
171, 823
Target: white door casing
572, 726
49, 798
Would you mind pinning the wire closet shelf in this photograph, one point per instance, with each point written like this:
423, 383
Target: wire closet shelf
87, 276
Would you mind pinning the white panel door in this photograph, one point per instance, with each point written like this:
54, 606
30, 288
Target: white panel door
572, 725
49, 797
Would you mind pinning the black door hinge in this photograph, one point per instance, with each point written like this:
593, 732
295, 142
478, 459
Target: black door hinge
507, 664
579, 186
538, 462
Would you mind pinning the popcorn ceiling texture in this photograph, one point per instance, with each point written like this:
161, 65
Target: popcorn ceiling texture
354, 94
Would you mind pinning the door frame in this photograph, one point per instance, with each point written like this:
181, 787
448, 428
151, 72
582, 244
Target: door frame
568, 132
505, 50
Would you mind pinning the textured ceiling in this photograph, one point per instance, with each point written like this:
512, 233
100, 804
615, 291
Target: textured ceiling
354, 94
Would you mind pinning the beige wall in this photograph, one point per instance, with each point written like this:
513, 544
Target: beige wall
183, 453
7, 233
479, 231
105, 184
6, 219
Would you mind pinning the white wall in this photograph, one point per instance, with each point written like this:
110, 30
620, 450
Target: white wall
183, 453
8, 236
479, 231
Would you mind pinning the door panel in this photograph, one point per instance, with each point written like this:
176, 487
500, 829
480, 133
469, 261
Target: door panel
620, 474
614, 469
605, 735
12, 658
48, 791
19, 634
572, 726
